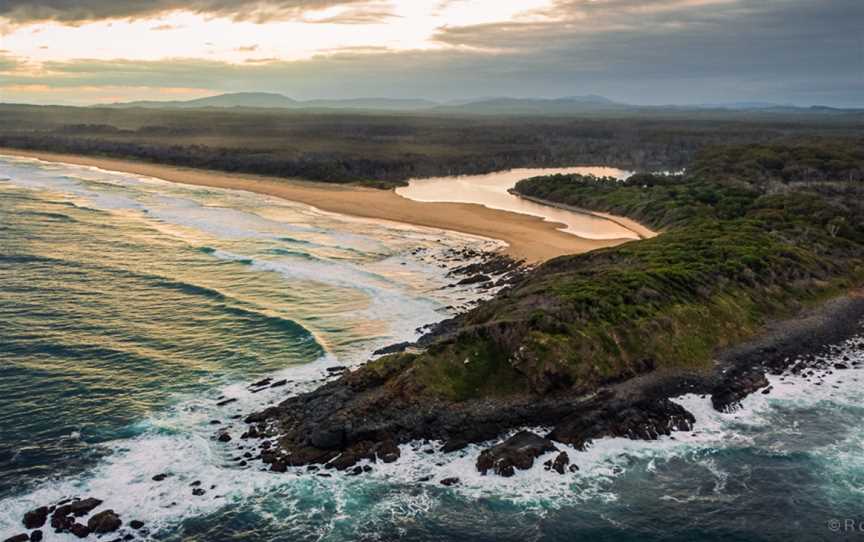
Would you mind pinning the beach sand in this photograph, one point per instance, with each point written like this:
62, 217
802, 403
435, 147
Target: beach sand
528, 238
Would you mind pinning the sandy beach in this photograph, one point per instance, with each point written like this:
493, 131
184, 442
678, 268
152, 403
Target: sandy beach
528, 238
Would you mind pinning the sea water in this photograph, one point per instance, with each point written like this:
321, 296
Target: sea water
131, 307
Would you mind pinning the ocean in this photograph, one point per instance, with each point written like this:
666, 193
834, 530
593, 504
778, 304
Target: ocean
130, 308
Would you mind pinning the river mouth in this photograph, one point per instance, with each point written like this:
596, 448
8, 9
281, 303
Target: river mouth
492, 190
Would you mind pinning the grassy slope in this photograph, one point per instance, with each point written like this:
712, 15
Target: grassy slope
750, 234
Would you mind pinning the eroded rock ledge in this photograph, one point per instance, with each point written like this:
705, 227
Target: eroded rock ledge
366, 413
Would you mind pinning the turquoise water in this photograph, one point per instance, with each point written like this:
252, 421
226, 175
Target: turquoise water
130, 307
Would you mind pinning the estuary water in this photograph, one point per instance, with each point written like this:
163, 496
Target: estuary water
130, 308
492, 190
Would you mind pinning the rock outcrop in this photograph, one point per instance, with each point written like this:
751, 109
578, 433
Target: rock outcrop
517, 452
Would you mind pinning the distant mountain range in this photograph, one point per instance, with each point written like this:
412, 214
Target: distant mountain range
483, 106
270, 100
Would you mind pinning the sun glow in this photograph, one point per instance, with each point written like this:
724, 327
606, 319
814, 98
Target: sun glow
407, 25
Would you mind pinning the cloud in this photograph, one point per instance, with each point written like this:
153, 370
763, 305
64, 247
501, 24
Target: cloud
666, 51
9, 63
82, 11
678, 48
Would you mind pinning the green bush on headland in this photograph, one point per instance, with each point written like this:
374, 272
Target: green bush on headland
749, 234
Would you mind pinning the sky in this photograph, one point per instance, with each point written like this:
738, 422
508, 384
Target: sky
80, 52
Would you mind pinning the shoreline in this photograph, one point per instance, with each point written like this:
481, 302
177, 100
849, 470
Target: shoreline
626, 223
528, 238
312, 428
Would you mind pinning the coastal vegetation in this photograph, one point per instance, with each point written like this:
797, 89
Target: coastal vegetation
750, 234
387, 148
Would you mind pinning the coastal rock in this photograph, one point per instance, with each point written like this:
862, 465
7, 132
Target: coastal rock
36, 518
449, 481
647, 419
392, 349
517, 452
160, 477
61, 522
104, 522
261, 383
737, 385
36, 536
559, 464
327, 438
18, 538
136, 524
81, 531
476, 279
454, 445
62, 519
80, 508
387, 451
223, 437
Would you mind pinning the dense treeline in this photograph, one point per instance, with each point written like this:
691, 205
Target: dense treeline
388, 148
831, 170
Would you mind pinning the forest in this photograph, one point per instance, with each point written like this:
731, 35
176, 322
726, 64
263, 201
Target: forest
385, 149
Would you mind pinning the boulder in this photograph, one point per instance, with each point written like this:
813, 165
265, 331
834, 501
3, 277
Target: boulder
136, 524
453, 445
63, 517
81, 531
104, 522
82, 507
61, 521
36, 518
559, 464
387, 451
18, 538
36, 536
517, 452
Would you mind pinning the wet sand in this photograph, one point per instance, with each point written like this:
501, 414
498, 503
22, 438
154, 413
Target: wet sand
529, 238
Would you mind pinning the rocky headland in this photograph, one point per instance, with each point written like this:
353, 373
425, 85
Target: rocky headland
757, 272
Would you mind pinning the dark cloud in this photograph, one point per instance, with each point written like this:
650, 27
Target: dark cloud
80, 11
688, 50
